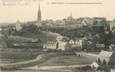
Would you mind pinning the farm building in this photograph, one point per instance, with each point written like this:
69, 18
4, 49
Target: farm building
107, 57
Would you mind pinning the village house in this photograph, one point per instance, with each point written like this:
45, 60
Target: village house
54, 41
108, 57
71, 41
100, 46
111, 25
76, 43
94, 65
18, 26
61, 45
50, 45
112, 47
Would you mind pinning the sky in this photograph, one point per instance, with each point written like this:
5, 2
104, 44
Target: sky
26, 10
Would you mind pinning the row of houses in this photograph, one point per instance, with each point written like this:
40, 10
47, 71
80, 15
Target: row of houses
51, 41
46, 40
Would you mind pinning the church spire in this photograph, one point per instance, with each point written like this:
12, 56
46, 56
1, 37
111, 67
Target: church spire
39, 17
70, 17
71, 14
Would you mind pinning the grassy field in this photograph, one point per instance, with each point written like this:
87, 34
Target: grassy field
12, 55
31, 70
54, 70
61, 61
15, 55
67, 60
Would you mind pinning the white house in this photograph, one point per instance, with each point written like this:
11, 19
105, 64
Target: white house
18, 25
94, 65
50, 45
100, 45
61, 45
112, 47
108, 56
55, 45
112, 25
71, 42
76, 43
79, 43
54, 41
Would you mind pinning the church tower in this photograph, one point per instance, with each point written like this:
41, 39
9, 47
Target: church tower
39, 16
70, 17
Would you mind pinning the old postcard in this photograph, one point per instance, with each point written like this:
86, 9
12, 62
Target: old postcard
57, 35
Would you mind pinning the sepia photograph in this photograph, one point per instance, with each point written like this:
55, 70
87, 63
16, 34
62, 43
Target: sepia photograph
57, 36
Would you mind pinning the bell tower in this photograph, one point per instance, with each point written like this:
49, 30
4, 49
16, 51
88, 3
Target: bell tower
39, 16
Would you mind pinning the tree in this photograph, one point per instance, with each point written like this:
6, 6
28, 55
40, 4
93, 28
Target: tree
110, 63
104, 62
99, 61
29, 29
